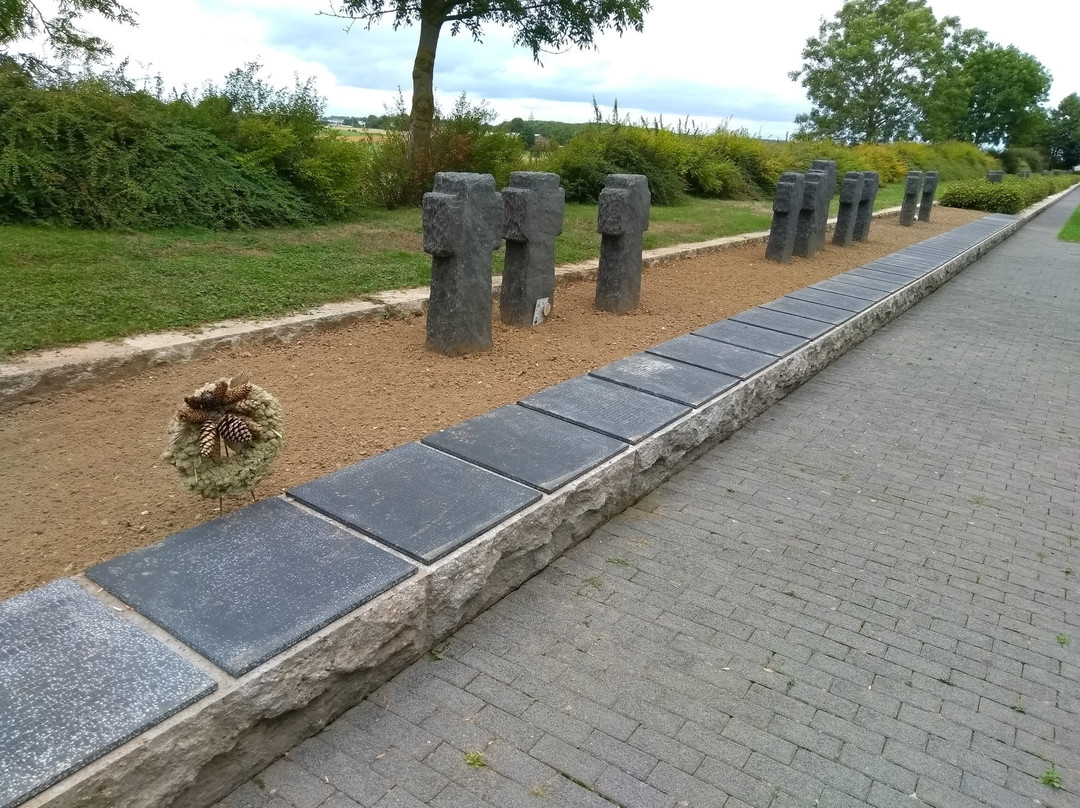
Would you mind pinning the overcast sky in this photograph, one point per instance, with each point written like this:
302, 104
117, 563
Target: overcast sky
711, 60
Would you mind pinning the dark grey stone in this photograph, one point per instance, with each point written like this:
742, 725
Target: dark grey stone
675, 381
527, 446
901, 270
926, 204
533, 208
77, 681
753, 337
815, 197
812, 311
887, 285
829, 167
912, 189
606, 407
786, 205
243, 588
837, 300
781, 321
417, 500
622, 219
850, 199
710, 354
995, 176
865, 213
886, 280
463, 221
845, 287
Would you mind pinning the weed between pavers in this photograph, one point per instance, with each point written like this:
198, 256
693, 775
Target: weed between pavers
475, 759
1061, 639
1052, 778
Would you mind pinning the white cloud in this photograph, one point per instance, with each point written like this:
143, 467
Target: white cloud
710, 60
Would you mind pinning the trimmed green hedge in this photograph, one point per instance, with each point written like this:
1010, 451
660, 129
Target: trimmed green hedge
1011, 195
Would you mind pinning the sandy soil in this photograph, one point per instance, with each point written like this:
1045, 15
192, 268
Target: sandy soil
81, 473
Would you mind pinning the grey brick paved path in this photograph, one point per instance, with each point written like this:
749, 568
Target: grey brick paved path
853, 601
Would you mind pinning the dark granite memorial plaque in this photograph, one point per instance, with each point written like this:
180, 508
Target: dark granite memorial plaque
720, 357
836, 286
245, 587
606, 407
780, 321
764, 340
812, 311
901, 270
675, 381
76, 681
839, 301
895, 281
527, 446
417, 500
888, 286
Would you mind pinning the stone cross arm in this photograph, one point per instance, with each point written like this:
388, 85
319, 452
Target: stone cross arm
443, 216
530, 214
624, 208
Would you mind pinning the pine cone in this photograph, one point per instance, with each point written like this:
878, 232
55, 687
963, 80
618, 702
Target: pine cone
234, 430
221, 389
192, 416
236, 394
252, 425
209, 445
245, 407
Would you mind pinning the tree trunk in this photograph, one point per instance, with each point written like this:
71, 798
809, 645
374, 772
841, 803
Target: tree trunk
422, 115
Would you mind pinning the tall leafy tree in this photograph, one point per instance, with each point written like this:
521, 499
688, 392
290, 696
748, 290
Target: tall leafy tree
1065, 133
22, 20
536, 25
1004, 89
870, 69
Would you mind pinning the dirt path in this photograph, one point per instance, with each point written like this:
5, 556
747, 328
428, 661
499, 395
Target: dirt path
81, 474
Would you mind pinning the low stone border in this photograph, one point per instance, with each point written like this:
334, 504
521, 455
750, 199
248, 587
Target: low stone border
204, 750
40, 373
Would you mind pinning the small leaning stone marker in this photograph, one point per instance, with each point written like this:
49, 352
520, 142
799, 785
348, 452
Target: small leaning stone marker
807, 238
866, 205
929, 188
463, 223
622, 219
912, 188
850, 196
534, 206
786, 205
829, 167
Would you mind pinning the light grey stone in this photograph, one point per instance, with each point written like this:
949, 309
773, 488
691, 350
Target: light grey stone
995, 176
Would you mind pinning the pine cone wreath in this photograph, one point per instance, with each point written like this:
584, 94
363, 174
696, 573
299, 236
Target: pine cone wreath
225, 437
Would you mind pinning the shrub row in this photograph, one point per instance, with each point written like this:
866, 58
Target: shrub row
1009, 196
734, 165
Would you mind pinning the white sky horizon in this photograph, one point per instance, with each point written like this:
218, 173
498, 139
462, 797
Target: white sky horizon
712, 63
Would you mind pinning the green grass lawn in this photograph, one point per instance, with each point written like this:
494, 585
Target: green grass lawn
1071, 230
62, 286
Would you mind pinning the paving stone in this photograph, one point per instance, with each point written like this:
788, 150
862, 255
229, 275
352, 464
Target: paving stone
527, 446
719, 357
611, 409
76, 681
888, 286
838, 287
417, 500
882, 280
808, 309
675, 381
781, 321
764, 340
245, 587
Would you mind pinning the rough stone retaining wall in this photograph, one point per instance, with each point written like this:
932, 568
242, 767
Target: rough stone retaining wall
286, 645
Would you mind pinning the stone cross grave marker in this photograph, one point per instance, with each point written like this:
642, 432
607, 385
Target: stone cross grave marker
815, 190
912, 188
786, 205
866, 206
829, 167
534, 205
850, 197
929, 188
622, 220
995, 176
463, 218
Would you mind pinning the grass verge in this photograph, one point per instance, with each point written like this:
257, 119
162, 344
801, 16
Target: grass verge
1071, 230
62, 286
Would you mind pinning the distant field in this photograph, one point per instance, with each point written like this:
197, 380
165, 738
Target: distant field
358, 133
